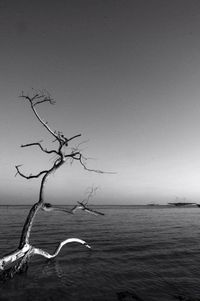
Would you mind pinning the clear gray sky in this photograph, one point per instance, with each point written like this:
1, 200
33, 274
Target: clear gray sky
125, 74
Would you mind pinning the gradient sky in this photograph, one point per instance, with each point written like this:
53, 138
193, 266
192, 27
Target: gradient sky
125, 74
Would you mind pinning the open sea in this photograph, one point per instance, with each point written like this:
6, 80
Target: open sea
138, 253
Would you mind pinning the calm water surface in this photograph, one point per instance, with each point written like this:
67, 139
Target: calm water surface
138, 253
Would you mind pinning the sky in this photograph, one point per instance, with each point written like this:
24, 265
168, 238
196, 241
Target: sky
126, 75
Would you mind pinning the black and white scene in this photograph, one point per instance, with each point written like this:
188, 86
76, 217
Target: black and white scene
100, 150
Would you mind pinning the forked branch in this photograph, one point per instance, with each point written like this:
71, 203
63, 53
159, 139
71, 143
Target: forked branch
40, 146
35, 100
30, 176
24, 251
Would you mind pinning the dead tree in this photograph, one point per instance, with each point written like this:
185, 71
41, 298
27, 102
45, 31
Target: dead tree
17, 261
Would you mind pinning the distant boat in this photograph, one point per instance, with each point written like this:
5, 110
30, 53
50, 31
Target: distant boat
198, 205
182, 204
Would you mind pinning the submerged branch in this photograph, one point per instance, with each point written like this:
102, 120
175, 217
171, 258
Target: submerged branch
69, 240
14, 256
27, 251
85, 208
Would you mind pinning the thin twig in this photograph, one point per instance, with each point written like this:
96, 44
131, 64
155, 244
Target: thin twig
31, 100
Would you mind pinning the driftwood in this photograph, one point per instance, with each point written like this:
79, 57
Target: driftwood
19, 258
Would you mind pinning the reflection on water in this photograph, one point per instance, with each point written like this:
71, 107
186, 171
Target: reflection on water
137, 253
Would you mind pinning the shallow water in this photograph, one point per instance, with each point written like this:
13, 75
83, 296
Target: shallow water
138, 253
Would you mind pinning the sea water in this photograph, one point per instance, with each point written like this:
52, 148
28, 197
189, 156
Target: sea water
138, 253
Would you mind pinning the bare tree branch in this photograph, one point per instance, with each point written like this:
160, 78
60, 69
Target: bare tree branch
83, 207
69, 240
73, 137
77, 155
51, 101
46, 99
40, 146
91, 193
27, 251
93, 170
30, 176
24, 251
48, 207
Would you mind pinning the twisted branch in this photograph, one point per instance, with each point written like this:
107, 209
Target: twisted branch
25, 250
29, 250
69, 240
30, 176
40, 146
